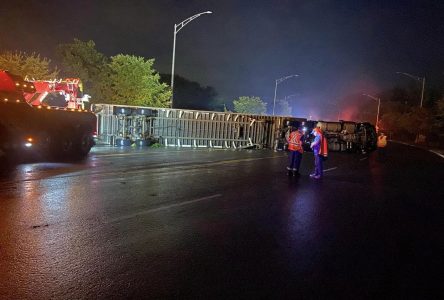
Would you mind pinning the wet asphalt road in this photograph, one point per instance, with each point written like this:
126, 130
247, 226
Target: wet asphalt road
209, 224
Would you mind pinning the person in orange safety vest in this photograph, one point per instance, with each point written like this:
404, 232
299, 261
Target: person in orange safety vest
295, 140
381, 144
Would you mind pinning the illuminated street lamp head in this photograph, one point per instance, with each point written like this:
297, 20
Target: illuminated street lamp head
370, 96
410, 75
285, 78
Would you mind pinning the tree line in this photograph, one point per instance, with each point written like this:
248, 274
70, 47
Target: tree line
121, 79
402, 117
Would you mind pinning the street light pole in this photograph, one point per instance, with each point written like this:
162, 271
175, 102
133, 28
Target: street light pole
274, 99
275, 87
177, 28
172, 66
379, 104
419, 79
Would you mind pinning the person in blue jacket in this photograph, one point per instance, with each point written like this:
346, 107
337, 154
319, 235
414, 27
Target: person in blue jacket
319, 146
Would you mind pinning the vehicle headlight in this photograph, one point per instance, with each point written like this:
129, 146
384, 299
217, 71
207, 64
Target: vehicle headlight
29, 141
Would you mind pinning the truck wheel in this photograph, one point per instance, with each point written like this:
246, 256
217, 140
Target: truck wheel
66, 145
123, 142
83, 144
60, 147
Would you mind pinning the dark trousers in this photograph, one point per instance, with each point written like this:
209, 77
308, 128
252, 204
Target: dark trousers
381, 153
319, 167
294, 160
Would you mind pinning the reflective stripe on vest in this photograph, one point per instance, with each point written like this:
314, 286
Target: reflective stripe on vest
324, 146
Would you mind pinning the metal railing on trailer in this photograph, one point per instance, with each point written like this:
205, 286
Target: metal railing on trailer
185, 128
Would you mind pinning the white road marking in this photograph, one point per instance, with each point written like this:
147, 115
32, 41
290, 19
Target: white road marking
437, 153
331, 169
130, 216
414, 146
364, 158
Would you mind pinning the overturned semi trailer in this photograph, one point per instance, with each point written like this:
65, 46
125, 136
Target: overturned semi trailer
125, 125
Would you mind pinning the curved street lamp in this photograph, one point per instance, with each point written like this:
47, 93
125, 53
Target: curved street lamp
275, 87
416, 78
379, 104
177, 28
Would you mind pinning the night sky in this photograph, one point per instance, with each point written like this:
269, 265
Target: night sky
340, 49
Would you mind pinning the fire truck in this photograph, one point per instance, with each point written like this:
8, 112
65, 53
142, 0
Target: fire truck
58, 93
31, 125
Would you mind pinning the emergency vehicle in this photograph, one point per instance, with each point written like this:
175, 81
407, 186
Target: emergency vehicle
32, 126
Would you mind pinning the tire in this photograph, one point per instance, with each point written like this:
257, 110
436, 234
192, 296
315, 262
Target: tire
59, 144
142, 143
126, 111
123, 142
83, 144
65, 145
61, 147
144, 112
5, 153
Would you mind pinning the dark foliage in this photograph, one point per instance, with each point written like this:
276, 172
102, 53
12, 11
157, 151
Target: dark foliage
191, 95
